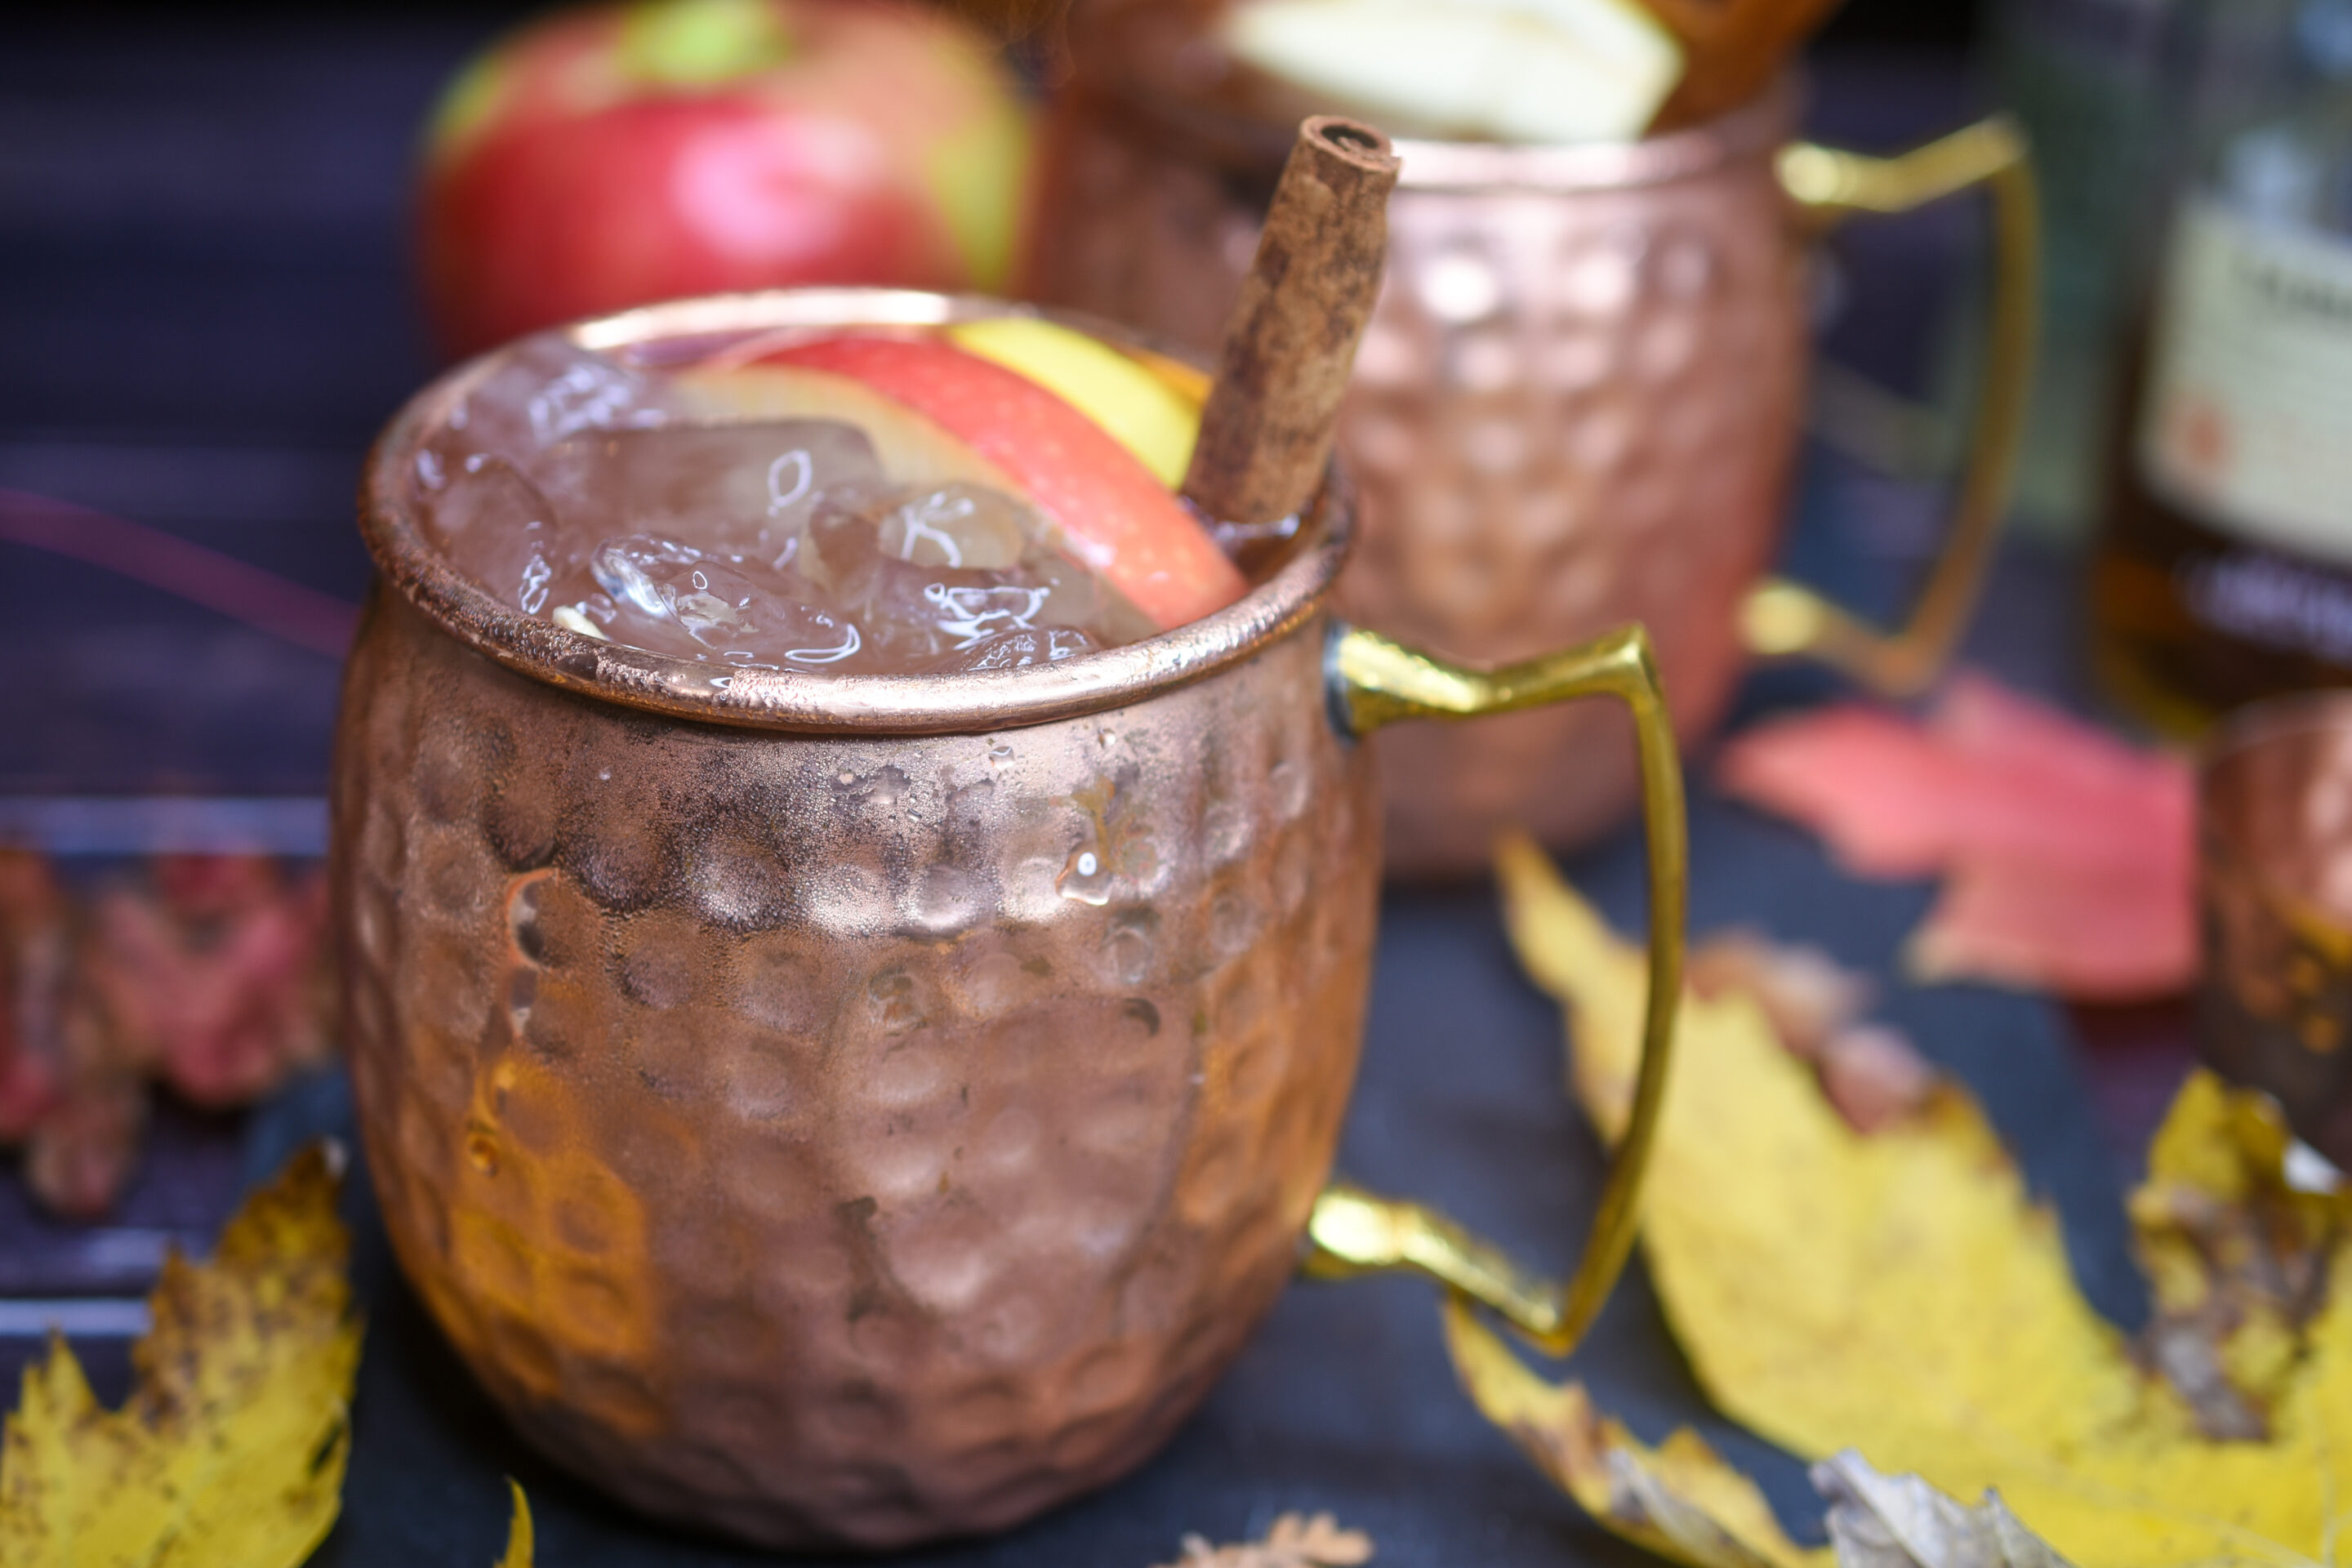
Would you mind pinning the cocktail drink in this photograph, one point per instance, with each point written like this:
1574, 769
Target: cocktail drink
886, 503
857, 905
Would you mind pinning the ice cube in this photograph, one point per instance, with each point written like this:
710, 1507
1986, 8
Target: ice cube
573, 489
1083, 599
885, 565
1017, 648
547, 391
961, 525
741, 492
971, 613
626, 569
583, 391
668, 597
497, 528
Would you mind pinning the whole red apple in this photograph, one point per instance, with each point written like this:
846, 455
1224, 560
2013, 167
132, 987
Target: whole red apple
615, 154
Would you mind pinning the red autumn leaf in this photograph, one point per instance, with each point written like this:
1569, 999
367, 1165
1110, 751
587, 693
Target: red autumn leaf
2070, 857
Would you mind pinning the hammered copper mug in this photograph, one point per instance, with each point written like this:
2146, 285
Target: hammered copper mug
861, 1109
1577, 401
2275, 902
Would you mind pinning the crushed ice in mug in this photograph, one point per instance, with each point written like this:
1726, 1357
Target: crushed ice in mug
582, 491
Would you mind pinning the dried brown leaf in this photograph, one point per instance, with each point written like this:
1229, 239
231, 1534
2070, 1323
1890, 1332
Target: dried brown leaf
1296, 1540
1900, 1521
1807, 994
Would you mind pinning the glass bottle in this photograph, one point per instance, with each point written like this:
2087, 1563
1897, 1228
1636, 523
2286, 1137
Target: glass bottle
2224, 570
2085, 78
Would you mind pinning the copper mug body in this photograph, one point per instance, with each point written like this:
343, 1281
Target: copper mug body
856, 1111
1578, 402
2274, 901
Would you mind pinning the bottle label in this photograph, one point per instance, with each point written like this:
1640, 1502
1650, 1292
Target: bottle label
2249, 420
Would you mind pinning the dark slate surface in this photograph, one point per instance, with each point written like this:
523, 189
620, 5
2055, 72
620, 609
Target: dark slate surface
204, 316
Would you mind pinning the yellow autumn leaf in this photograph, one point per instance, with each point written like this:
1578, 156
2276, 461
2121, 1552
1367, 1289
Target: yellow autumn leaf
230, 1451
519, 1533
1899, 1295
2237, 1260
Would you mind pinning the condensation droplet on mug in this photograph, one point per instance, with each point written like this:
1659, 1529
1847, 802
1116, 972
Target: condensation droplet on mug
1086, 878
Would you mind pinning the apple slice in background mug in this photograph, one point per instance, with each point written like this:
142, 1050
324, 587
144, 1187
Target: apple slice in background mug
1503, 70
615, 154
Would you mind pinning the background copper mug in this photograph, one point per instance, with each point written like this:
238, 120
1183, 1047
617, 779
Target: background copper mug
1577, 403
2274, 896
859, 1110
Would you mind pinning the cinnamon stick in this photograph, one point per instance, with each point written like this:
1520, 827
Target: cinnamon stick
1266, 430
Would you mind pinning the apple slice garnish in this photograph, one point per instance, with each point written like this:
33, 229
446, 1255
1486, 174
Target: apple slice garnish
1501, 70
1138, 407
1114, 515
912, 450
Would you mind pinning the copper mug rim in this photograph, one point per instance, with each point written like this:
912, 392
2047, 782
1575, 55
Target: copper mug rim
971, 702
1242, 141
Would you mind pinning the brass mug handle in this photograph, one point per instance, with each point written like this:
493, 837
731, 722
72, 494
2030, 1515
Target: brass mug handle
1375, 682
1781, 617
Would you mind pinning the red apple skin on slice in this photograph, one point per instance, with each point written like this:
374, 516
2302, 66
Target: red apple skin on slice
1117, 518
